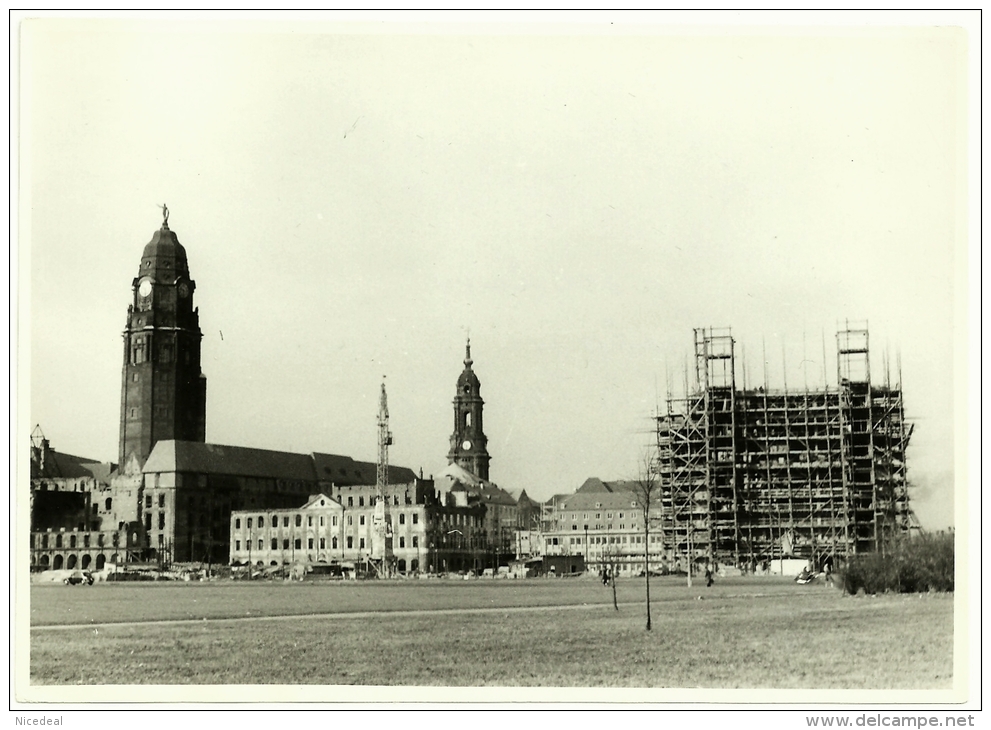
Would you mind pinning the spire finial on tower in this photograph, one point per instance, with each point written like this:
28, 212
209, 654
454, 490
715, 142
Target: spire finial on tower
165, 216
468, 352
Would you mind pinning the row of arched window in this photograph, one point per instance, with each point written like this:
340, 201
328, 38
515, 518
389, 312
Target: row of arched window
71, 562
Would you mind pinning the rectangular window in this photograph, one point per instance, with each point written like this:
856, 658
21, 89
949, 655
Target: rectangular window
350, 542
350, 501
416, 518
321, 520
161, 540
147, 501
309, 520
333, 520
161, 520
402, 542
361, 519
249, 523
416, 541
323, 542
275, 543
361, 501
285, 543
147, 520
237, 524
298, 543
261, 544
333, 543
261, 522
361, 543
350, 521
285, 521
161, 500
299, 520
402, 518
237, 544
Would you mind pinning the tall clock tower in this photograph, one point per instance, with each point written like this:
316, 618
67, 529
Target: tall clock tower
468, 442
163, 393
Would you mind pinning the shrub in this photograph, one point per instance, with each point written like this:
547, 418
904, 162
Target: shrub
911, 564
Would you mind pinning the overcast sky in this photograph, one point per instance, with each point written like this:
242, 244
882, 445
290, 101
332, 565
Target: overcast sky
353, 203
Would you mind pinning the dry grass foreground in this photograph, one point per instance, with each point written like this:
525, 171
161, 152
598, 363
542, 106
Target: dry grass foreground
742, 633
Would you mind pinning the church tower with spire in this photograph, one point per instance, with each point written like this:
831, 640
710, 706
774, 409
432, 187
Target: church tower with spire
468, 442
163, 393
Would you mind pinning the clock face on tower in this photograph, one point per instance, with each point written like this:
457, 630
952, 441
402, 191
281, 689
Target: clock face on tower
466, 445
144, 287
183, 290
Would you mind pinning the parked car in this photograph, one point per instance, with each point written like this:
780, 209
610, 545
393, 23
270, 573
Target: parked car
77, 577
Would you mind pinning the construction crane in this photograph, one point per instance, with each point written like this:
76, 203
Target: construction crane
382, 520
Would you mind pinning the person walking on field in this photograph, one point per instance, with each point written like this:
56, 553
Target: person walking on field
708, 576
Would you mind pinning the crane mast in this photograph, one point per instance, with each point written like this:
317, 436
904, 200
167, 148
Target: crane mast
382, 542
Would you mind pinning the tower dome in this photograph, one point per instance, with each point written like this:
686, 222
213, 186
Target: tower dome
468, 381
164, 254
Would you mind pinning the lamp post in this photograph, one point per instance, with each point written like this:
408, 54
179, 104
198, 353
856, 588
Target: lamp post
586, 548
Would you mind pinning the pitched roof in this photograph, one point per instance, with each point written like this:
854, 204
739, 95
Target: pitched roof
494, 495
66, 466
484, 490
457, 473
596, 485
524, 498
345, 471
199, 458
317, 501
599, 500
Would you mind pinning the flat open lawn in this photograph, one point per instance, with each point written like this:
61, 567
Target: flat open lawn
745, 632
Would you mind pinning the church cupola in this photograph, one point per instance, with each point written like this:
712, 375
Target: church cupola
468, 442
163, 394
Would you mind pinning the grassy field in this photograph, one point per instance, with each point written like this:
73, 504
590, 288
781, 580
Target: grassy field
760, 633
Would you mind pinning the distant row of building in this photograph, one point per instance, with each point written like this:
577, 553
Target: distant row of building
744, 475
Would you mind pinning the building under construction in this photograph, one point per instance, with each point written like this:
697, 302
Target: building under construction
751, 475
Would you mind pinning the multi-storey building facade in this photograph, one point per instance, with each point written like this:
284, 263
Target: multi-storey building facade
78, 520
429, 534
602, 522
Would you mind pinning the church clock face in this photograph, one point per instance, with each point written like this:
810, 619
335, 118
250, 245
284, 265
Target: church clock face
144, 287
466, 445
183, 290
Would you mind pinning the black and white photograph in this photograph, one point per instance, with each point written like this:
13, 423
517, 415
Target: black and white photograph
512, 358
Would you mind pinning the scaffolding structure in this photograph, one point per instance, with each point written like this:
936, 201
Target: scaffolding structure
755, 475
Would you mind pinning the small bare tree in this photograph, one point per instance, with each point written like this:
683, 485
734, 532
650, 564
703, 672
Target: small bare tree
611, 559
646, 488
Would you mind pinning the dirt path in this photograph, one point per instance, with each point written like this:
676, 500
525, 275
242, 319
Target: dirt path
337, 615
